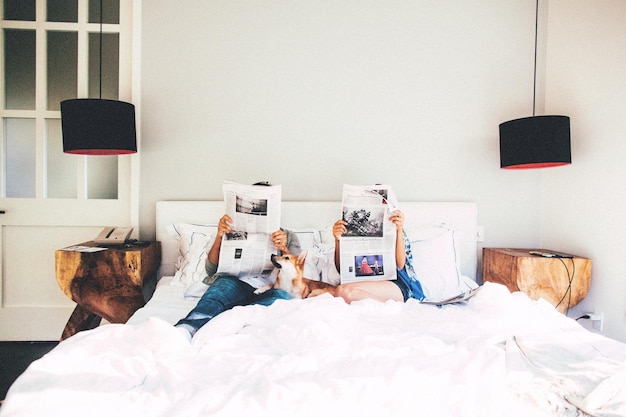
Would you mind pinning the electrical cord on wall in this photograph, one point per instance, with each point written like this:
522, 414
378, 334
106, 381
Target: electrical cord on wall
570, 278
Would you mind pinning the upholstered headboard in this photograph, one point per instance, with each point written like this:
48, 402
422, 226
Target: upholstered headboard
461, 217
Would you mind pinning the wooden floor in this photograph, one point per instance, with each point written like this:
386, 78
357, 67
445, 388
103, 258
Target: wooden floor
15, 358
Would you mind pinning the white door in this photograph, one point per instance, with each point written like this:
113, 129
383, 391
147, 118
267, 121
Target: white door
48, 199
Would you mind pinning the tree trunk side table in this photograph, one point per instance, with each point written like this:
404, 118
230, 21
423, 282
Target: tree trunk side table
539, 277
106, 284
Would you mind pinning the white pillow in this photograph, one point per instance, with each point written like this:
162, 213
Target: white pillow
326, 235
194, 241
307, 237
320, 264
435, 262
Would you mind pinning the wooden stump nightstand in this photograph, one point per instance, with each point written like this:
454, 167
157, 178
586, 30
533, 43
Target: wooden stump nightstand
112, 283
562, 281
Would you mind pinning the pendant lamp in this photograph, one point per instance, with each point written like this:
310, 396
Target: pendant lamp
97, 126
537, 141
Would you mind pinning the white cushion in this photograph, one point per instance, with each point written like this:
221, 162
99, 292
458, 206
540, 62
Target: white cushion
436, 263
320, 264
307, 237
194, 241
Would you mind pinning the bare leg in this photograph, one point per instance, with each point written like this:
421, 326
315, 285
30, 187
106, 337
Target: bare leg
376, 290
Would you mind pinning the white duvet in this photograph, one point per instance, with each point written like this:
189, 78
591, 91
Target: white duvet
498, 355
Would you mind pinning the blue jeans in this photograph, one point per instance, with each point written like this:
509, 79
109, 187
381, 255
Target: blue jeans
226, 292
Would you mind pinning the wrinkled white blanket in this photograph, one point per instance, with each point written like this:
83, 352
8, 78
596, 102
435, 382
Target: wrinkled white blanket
500, 354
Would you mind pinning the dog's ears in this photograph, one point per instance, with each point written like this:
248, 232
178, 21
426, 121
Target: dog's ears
302, 257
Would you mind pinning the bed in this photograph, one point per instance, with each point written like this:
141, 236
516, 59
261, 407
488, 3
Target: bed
496, 354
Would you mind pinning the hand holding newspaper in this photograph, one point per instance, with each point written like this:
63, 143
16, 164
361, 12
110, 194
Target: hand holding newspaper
367, 249
255, 212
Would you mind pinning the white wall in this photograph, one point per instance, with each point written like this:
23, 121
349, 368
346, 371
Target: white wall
315, 94
584, 205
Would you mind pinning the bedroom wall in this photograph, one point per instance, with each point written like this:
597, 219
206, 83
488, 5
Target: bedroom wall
312, 95
584, 204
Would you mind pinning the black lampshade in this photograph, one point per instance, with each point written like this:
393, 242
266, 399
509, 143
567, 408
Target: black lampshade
535, 142
98, 127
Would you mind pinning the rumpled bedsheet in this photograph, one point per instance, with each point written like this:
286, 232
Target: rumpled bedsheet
499, 354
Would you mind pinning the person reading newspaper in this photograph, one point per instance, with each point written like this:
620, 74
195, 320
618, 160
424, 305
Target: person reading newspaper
402, 288
228, 289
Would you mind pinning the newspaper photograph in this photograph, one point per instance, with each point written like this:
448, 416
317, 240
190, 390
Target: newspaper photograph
255, 212
368, 248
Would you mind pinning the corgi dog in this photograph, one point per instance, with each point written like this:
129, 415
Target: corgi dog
290, 278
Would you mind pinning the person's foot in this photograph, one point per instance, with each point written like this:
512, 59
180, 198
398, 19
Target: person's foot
182, 329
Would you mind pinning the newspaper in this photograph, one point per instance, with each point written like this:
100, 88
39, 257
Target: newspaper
80, 248
255, 212
458, 298
368, 248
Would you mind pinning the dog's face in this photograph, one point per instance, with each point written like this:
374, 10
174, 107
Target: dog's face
289, 265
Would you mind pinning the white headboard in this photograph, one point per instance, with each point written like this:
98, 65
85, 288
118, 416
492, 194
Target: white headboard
460, 216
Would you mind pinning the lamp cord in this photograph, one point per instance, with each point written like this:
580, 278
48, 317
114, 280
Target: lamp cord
535, 66
570, 279
100, 61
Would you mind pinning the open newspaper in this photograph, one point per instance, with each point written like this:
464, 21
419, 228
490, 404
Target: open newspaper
368, 248
255, 211
458, 298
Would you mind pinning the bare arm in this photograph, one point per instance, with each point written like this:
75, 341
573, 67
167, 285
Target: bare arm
397, 218
339, 228
222, 227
